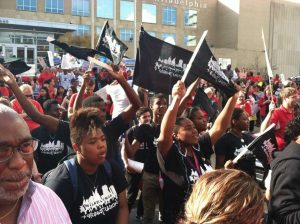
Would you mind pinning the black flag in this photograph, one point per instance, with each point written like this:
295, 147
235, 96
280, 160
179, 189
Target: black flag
264, 146
110, 46
16, 67
78, 52
159, 65
206, 67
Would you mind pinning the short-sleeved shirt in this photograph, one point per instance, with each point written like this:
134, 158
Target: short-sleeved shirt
52, 147
281, 117
175, 196
18, 108
230, 145
112, 130
141, 153
97, 197
73, 98
148, 134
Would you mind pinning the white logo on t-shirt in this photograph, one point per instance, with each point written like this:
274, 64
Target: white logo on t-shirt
98, 204
52, 148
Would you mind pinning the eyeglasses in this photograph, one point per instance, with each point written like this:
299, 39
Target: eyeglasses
28, 96
26, 149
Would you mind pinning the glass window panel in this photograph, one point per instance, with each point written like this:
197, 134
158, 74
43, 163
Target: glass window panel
153, 34
190, 18
169, 37
54, 6
105, 9
126, 34
82, 30
127, 10
190, 41
149, 13
169, 16
80, 7
27, 5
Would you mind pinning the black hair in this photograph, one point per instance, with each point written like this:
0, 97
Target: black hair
142, 110
157, 96
84, 121
237, 113
178, 123
91, 101
292, 130
48, 103
190, 112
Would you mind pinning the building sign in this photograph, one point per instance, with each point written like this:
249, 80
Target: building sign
185, 3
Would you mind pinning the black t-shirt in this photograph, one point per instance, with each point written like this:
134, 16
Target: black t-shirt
185, 167
149, 134
52, 147
97, 197
230, 145
112, 130
141, 153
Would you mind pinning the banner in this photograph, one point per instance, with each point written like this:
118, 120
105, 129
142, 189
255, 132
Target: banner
262, 147
78, 52
160, 65
110, 46
50, 57
42, 62
16, 67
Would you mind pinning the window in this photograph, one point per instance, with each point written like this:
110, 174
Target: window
153, 34
190, 18
223, 62
82, 30
99, 29
169, 37
169, 16
149, 13
190, 41
105, 9
127, 10
26, 5
54, 6
126, 34
80, 7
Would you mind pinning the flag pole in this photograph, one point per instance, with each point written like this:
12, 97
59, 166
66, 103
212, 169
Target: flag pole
189, 65
269, 70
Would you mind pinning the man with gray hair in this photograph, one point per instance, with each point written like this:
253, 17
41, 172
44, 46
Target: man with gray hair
21, 200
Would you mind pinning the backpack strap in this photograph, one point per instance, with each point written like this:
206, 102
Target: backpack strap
108, 169
72, 169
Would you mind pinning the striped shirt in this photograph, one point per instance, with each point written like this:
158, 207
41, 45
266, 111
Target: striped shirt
40, 205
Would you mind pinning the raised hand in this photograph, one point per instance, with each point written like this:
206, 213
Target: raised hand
6, 76
178, 90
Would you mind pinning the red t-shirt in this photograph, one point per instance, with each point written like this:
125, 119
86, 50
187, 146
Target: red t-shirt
245, 106
73, 97
5, 91
281, 117
17, 107
45, 76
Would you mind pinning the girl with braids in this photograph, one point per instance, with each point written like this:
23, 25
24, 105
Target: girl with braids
225, 196
180, 150
99, 195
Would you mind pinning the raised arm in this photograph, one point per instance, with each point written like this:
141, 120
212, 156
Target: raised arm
165, 139
267, 121
189, 92
133, 98
49, 122
79, 97
223, 120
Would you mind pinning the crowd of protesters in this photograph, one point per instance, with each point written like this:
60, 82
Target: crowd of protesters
89, 145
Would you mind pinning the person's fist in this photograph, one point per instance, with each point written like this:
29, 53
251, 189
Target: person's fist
178, 89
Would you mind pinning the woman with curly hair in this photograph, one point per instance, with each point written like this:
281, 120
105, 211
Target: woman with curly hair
225, 196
